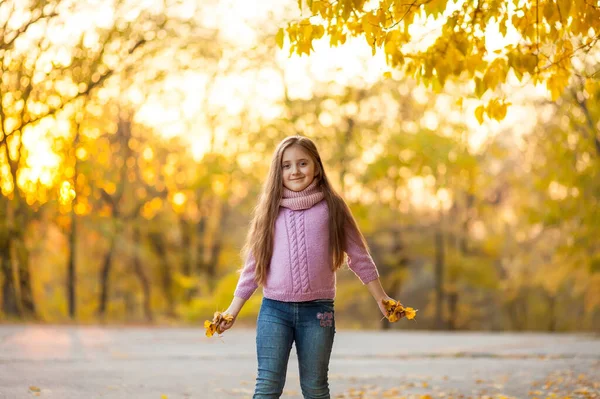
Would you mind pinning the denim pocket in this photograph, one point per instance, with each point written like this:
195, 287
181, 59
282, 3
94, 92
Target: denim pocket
326, 315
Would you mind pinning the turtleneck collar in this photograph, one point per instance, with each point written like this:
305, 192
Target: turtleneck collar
304, 199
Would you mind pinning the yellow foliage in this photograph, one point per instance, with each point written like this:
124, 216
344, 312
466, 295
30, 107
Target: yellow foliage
479, 113
279, 38
395, 311
557, 83
496, 109
460, 51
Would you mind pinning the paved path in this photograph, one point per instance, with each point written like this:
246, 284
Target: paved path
69, 362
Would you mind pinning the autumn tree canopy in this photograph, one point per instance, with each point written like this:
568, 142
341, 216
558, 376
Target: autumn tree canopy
540, 39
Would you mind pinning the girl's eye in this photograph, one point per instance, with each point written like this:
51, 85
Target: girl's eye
286, 166
303, 164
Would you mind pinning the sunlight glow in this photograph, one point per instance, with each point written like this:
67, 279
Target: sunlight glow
190, 99
179, 198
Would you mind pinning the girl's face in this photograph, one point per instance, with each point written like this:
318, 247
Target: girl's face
299, 169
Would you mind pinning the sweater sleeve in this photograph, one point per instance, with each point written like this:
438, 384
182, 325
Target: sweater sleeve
359, 259
246, 284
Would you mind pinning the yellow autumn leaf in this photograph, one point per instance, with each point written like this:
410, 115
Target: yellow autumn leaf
279, 38
556, 84
34, 389
318, 31
549, 10
215, 325
590, 86
435, 7
565, 7
304, 47
208, 325
529, 62
479, 114
410, 313
395, 310
387, 75
497, 109
292, 31
382, 17
315, 6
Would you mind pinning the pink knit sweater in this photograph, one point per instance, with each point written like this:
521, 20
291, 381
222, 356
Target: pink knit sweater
300, 268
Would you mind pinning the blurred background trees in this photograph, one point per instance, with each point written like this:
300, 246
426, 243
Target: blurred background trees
135, 137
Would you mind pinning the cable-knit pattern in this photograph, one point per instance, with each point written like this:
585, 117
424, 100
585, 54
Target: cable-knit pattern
301, 249
296, 279
302, 253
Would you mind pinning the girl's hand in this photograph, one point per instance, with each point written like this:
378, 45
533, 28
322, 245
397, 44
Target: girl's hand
226, 325
233, 310
382, 306
379, 295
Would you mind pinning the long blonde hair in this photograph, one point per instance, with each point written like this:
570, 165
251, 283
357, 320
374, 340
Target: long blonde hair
259, 241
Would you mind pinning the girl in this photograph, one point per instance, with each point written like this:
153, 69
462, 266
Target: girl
299, 233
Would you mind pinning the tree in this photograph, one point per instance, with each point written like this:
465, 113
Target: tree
45, 77
540, 39
566, 177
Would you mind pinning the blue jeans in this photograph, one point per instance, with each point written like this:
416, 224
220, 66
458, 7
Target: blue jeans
311, 325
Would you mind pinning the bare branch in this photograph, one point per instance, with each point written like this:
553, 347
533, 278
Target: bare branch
108, 198
7, 45
589, 119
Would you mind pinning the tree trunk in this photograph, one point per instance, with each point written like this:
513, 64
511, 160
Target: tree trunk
216, 247
139, 272
10, 302
452, 309
517, 312
105, 278
343, 159
26, 291
186, 250
200, 248
17, 223
551, 313
167, 278
186, 244
71, 268
522, 310
72, 262
439, 275
200, 232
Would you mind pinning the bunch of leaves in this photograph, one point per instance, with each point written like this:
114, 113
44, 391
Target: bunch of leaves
215, 325
395, 310
560, 29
